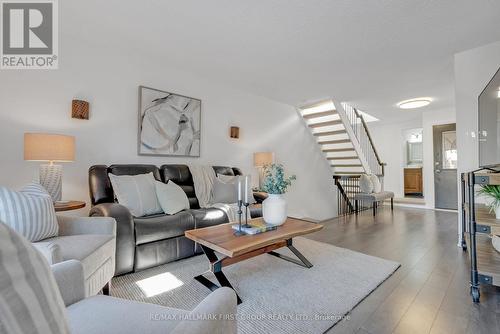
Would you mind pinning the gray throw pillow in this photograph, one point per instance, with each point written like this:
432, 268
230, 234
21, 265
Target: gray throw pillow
30, 301
225, 192
234, 179
30, 212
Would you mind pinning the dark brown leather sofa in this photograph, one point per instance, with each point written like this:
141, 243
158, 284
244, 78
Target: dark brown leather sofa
144, 242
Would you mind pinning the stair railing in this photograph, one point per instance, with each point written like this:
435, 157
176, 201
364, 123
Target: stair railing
360, 129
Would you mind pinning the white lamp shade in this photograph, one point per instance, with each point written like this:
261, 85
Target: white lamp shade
49, 147
263, 158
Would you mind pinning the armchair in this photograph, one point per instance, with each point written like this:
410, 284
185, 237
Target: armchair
103, 314
88, 240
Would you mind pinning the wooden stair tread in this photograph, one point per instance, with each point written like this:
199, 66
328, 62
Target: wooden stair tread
320, 114
329, 133
347, 149
338, 141
326, 123
346, 165
342, 158
348, 173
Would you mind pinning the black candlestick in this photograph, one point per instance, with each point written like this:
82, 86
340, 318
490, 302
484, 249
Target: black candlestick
239, 232
246, 215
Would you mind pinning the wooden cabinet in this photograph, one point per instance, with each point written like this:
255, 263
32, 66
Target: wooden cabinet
413, 180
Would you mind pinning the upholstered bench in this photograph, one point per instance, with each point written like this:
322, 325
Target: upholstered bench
373, 198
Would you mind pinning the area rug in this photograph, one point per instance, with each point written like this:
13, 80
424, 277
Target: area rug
278, 296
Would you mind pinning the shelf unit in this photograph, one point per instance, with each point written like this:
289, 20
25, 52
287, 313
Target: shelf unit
478, 225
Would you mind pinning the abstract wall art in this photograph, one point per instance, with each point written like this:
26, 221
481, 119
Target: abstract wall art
169, 124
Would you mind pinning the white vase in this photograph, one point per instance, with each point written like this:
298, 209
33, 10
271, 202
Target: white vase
497, 212
274, 209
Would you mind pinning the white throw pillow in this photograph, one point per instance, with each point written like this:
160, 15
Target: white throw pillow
234, 180
30, 212
29, 297
377, 186
171, 197
365, 184
137, 193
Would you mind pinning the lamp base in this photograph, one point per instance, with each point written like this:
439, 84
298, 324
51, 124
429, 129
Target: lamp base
51, 180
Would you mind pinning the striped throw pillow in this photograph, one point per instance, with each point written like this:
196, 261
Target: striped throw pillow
30, 301
30, 212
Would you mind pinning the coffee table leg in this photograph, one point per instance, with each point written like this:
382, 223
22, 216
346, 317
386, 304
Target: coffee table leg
217, 271
303, 261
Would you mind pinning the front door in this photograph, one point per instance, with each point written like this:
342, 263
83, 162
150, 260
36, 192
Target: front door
445, 166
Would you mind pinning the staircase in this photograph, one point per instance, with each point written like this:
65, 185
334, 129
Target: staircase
345, 141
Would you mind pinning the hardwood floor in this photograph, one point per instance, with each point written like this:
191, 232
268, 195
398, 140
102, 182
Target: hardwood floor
429, 292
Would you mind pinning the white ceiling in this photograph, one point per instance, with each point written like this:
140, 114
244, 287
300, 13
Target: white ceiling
369, 53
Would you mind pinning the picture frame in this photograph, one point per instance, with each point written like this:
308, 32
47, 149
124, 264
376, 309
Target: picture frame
169, 124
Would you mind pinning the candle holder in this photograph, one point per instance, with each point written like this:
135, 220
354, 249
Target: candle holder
239, 232
246, 204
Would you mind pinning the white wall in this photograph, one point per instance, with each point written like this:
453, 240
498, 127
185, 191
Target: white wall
40, 101
390, 144
473, 70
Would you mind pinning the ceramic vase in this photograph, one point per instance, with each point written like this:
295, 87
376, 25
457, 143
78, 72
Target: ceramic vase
274, 209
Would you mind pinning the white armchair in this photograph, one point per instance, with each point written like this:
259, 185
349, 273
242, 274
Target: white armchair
216, 314
90, 240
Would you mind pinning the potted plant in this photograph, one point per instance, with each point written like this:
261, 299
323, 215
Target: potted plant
274, 208
493, 194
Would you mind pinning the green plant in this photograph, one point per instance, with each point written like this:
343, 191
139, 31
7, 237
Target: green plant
492, 192
275, 181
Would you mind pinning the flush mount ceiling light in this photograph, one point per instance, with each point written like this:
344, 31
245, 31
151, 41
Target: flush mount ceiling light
415, 103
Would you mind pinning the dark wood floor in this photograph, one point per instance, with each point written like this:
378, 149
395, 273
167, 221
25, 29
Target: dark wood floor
429, 292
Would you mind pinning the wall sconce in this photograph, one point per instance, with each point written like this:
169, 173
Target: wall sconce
79, 109
234, 132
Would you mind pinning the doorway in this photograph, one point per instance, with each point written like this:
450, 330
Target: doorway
445, 166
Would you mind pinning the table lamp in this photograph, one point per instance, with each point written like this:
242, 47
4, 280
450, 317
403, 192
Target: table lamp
260, 159
51, 148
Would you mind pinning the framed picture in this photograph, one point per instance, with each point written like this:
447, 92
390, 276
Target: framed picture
169, 124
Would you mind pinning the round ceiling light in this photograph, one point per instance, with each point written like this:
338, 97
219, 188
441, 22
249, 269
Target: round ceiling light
415, 103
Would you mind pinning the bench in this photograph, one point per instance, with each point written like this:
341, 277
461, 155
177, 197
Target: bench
374, 198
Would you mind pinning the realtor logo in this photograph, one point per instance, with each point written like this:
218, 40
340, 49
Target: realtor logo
29, 34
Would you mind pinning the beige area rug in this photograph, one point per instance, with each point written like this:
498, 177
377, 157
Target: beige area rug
278, 296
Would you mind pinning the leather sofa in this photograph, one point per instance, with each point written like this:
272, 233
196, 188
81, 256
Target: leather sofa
144, 242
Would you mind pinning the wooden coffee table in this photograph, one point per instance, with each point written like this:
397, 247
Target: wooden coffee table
233, 249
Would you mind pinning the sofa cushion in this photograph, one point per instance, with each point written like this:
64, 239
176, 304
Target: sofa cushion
209, 217
91, 250
103, 314
159, 227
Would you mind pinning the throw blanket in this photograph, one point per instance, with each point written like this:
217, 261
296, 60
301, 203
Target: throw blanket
203, 180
